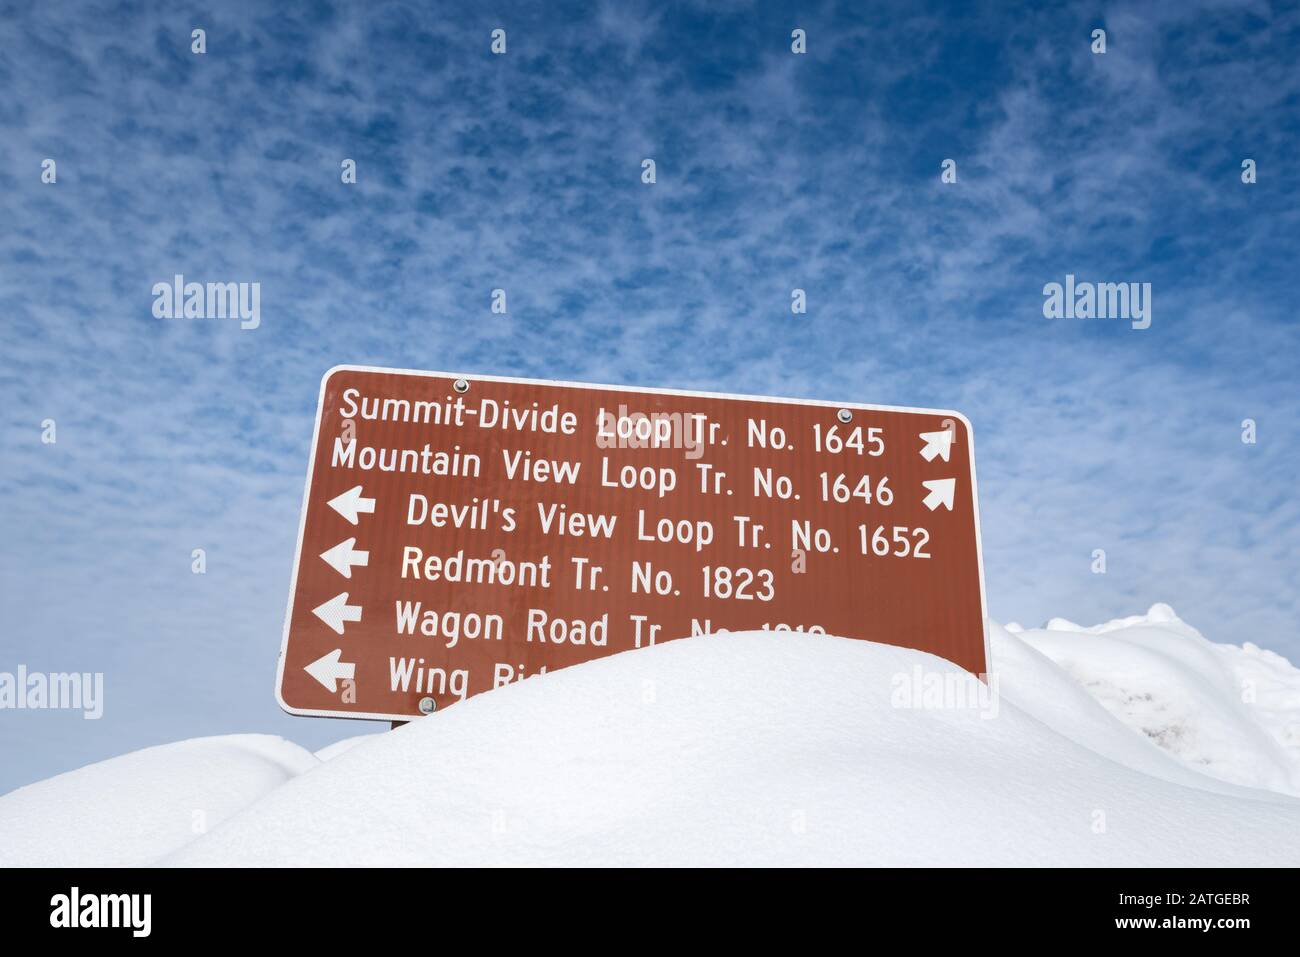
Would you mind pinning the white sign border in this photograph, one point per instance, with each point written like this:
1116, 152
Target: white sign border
556, 383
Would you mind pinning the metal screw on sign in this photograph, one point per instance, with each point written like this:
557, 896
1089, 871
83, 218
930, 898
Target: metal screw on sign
845, 416
461, 385
427, 706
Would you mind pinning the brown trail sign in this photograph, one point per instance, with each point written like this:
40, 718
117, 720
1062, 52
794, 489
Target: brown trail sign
458, 534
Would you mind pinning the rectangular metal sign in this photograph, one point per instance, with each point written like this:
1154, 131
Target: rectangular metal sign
461, 533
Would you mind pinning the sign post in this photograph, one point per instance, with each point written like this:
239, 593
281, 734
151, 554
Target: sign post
459, 533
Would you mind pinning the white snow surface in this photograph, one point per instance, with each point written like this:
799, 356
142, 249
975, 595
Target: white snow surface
344, 745
138, 807
1136, 742
1232, 712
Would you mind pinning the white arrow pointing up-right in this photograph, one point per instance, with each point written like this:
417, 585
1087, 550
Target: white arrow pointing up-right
329, 670
941, 492
343, 556
336, 611
350, 503
936, 443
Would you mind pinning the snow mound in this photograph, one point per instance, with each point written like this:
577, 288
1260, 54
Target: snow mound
1030, 681
136, 808
1134, 742
1230, 712
344, 745
763, 748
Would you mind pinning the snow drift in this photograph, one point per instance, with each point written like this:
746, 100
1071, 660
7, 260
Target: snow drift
1230, 712
136, 808
762, 748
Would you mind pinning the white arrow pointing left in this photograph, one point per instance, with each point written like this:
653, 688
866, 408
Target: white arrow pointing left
936, 443
343, 556
941, 493
329, 670
336, 611
350, 504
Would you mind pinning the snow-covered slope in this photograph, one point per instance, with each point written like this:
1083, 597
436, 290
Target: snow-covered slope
138, 807
344, 745
742, 749
1232, 712
772, 748
1029, 680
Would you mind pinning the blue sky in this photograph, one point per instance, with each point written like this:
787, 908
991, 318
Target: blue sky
523, 172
